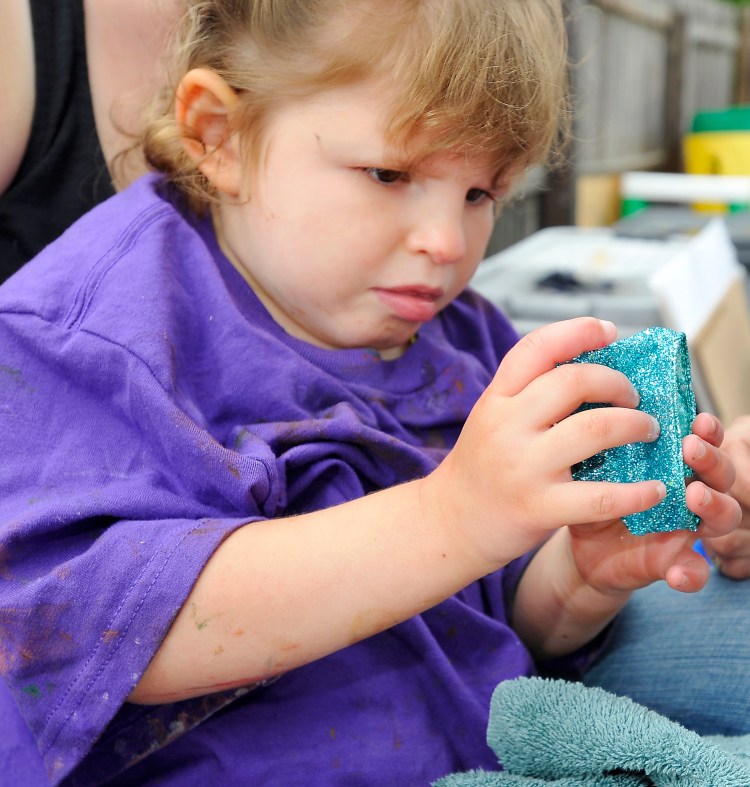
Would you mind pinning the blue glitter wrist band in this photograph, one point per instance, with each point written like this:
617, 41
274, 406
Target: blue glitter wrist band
656, 361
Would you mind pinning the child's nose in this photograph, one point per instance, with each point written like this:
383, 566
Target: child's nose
440, 235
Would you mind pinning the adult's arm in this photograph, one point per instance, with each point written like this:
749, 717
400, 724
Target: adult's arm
16, 87
126, 43
732, 552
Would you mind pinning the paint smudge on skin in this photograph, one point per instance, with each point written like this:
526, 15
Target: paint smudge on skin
32, 691
200, 622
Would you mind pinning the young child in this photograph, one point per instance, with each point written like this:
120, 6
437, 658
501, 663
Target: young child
269, 512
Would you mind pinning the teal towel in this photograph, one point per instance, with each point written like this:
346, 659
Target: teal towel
553, 732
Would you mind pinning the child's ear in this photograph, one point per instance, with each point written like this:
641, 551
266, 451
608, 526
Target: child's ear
204, 107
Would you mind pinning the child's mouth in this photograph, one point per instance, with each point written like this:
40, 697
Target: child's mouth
415, 304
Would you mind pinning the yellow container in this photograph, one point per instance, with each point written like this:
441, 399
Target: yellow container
717, 153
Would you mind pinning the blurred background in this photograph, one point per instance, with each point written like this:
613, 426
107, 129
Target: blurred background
640, 71
648, 221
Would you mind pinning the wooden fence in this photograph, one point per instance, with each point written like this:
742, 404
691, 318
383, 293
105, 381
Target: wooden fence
640, 70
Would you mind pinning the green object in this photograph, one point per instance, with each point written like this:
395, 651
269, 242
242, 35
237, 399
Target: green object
630, 206
735, 118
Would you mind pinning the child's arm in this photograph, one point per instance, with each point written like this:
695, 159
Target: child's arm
585, 574
281, 593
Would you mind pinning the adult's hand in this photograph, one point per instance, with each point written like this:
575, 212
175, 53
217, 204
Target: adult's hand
732, 552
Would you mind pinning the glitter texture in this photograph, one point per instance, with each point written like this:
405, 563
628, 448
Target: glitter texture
656, 361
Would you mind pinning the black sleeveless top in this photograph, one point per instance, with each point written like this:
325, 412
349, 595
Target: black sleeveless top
63, 172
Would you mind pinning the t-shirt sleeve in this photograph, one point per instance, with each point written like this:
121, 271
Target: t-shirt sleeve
112, 499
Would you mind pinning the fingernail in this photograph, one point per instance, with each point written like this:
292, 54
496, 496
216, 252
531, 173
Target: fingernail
655, 429
707, 496
700, 449
661, 490
609, 328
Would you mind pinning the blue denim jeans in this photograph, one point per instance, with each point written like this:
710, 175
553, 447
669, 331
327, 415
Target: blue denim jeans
686, 656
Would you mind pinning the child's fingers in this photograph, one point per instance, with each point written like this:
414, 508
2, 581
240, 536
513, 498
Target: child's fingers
708, 427
731, 553
720, 514
542, 349
709, 462
584, 434
562, 390
594, 501
690, 574
737, 446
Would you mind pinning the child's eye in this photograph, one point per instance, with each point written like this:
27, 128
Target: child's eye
475, 196
386, 176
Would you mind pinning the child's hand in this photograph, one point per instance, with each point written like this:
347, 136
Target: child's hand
610, 559
585, 574
507, 483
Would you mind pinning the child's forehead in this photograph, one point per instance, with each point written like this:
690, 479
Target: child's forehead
368, 115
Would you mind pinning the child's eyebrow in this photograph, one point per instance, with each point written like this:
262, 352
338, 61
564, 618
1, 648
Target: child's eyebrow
358, 146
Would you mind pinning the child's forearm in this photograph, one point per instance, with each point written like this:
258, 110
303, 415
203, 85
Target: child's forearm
555, 612
281, 593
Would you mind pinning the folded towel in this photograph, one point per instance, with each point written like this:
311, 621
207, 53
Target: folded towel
554, 732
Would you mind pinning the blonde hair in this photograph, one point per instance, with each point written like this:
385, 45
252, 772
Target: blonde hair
486, 76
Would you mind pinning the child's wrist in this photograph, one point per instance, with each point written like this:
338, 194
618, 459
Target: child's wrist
593, 602
442, 523
479, 548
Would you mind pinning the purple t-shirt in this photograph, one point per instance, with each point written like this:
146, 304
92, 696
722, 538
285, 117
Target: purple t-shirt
149, 406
